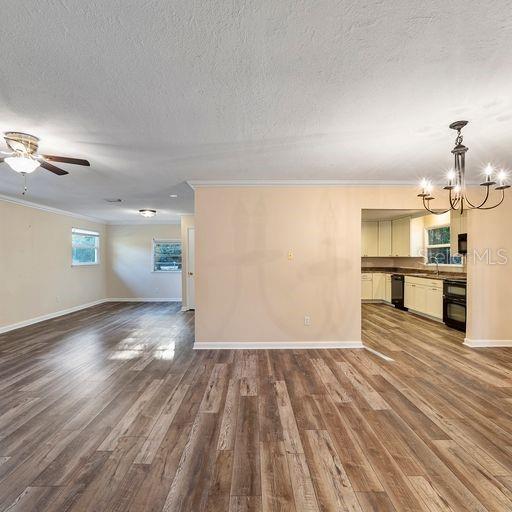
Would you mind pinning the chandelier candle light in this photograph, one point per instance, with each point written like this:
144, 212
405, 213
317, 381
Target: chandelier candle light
456, 181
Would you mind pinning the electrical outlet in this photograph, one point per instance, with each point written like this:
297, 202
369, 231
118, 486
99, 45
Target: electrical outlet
307, 320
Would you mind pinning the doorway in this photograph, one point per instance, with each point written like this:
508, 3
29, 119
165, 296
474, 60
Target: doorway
191, 252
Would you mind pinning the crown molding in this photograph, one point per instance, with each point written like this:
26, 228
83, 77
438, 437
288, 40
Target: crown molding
49, 209
194, 184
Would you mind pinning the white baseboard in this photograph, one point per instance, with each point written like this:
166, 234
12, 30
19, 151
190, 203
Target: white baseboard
49, 316
267, 345
142, 299
187, 308
487, 343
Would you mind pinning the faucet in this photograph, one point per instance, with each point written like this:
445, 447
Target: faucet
437, 265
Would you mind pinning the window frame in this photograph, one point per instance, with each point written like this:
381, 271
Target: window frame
165, 241
80, 231
439, 246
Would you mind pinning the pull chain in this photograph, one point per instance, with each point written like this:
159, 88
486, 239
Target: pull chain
25, 189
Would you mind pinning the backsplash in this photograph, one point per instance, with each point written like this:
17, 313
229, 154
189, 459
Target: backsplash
414, 263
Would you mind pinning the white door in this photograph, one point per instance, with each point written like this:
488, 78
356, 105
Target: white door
191, 270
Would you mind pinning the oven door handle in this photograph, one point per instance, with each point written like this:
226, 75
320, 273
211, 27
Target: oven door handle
454, 301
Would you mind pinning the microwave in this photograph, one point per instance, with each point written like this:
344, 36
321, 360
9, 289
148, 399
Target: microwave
462, 247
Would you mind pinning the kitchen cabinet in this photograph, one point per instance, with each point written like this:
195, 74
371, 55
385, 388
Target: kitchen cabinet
370, 238
376, 238
417, 237
424, 295
367, 286
378, 286
387, 288
385, 244
401, 236
458, 225
434, 302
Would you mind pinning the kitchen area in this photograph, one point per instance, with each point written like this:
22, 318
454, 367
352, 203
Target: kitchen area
415, 261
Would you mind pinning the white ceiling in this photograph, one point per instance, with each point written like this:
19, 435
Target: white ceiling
155, 93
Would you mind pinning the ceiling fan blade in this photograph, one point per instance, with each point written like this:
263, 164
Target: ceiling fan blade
52, 168
66, 160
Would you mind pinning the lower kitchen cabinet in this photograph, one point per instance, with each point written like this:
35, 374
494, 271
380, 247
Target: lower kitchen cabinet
376, 286
435, 302
424, 296
367, 286
387, 288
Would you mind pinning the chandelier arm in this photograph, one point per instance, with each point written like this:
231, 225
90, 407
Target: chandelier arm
432, 211
482, 203
494, 206
454, 203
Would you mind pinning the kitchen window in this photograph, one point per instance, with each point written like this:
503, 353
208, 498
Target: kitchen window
438, 247
166, 256
85, 247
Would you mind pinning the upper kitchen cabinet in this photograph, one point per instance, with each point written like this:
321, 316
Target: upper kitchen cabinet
458, 225
397, 236
417, 234
385, 242
376, 238
401, 237
370, 238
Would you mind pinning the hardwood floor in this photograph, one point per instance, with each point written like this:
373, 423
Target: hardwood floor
110, 409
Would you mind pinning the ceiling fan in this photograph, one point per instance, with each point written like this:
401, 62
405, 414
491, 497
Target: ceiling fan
25, 159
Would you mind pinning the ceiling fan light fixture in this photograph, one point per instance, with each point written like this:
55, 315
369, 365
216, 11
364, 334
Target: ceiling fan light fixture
22, 164
147, 213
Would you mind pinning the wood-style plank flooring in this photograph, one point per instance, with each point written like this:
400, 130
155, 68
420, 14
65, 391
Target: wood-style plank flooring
110, 409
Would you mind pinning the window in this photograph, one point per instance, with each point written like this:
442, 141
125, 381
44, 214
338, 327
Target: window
438, 247
166, 256
85, 247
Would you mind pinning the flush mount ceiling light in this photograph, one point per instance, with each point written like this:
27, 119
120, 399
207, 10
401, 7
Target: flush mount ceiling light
456, 181
147, 213
174, 196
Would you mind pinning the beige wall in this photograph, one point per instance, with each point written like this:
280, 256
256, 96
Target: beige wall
489, 277
36, 276
187, 221
129, 257
248, 290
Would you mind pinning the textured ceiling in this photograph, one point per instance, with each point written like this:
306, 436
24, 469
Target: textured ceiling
155, 93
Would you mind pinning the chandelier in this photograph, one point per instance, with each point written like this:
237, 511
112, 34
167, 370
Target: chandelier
456, 181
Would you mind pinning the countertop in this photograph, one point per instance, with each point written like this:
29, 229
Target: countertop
414, 272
